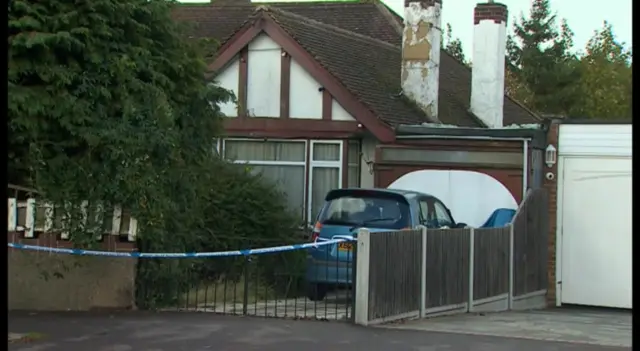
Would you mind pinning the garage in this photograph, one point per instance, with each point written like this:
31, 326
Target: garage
594, 259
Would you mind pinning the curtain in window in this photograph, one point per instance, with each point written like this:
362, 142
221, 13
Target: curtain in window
325, 173
323, 180
257, 150
326, 152
289, 180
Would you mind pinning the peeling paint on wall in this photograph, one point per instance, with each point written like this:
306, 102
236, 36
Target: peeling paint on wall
421, 55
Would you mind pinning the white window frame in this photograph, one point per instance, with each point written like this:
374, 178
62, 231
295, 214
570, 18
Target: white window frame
322, 164
217, 147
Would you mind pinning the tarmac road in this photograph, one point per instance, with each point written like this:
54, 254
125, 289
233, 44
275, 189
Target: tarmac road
167, 331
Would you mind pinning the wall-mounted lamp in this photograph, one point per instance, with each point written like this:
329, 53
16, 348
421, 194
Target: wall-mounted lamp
550, 156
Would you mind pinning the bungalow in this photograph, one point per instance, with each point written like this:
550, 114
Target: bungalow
349, 94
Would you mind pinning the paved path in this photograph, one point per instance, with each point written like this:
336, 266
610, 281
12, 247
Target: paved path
143, 331
587, 326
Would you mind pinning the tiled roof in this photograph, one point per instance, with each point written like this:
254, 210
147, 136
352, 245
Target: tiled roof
358, 43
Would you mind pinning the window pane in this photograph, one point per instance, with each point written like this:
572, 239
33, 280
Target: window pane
289, 180
442, 215
326, 152
323, 181
367, 210
424, 212
354, 152
258, 150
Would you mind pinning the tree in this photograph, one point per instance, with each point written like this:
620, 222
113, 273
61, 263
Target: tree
606, 78
540, 57
108, 103
453, 46
516, 88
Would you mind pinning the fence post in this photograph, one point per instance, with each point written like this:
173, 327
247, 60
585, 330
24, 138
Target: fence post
471, 265
511, 265
12, 216
354, 278
245, 285
423, 272
30, 220
116, 220
48, 215
361, 305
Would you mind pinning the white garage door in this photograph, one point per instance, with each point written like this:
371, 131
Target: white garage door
594, 201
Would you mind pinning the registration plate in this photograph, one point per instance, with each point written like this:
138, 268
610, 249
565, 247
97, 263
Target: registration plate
345, 246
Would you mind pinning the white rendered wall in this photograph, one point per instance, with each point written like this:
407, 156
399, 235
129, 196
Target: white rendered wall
305, 95
228, 79
263, 78
487, 79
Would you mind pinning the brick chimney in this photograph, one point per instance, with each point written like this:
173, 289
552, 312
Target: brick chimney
488, 62
421, 53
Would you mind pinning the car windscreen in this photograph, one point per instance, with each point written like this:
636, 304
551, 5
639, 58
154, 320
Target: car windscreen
367, 211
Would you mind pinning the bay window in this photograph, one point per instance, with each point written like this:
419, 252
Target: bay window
304, 180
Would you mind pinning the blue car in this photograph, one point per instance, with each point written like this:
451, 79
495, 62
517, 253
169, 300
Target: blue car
345, 211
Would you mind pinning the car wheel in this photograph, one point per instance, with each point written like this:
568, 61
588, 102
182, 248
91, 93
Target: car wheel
316, 292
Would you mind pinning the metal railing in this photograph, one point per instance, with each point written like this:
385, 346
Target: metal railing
312, 283
265, 279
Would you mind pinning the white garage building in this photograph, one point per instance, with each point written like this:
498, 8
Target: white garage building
593, 257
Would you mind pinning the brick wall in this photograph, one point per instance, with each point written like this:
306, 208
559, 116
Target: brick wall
490, 11
40, 281
552, 188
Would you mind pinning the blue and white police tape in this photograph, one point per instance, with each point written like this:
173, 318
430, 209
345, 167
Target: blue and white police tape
247, 252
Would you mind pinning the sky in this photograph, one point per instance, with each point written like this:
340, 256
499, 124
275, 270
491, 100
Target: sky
583, 16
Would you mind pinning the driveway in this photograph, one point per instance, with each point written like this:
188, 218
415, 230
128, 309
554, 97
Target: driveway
586, 326
335, 306
142, 331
